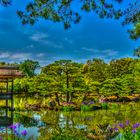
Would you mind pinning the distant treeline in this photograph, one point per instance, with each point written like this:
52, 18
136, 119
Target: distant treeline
68, 78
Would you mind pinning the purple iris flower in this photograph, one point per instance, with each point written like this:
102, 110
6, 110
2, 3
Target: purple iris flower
116, 129
121, 125
91, 102
24, 133
13, 126
85, 103
136, 125
134, 131
18, 124
15, 131
127, 122
1, 129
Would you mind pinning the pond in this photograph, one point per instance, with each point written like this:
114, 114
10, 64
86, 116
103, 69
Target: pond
45, 125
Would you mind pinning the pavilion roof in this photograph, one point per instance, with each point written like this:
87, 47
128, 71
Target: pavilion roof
10, 72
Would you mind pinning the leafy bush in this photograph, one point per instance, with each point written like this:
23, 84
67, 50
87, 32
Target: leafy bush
104, 105
114, 106
128, 131
85, 108
68, 134
124, 99
67, 108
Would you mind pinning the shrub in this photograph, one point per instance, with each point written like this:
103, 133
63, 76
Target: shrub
104, 105
85, 108
128, 131
67, 108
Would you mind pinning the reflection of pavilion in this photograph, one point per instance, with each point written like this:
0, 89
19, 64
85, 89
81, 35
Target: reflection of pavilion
5, 121
7, 118
7, 76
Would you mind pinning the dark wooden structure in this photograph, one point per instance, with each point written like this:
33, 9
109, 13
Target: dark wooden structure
7, 76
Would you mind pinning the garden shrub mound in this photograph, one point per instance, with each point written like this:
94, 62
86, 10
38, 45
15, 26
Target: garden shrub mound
122, 98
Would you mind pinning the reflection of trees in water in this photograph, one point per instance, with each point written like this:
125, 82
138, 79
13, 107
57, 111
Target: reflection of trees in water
60, 124
25, 120
73, 123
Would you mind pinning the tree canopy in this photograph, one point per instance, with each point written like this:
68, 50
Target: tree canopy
28, 67
66, 79
65, 12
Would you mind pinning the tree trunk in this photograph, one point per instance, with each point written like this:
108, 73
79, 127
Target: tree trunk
71, 97
85, 96
57, 98
67, 83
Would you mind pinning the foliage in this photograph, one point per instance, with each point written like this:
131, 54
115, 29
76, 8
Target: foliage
85, 108
137, 51
69, 81
67, 108
29, 67
63, 11
5, 2
69, 134
68, 77
105, 105
111, 87
128, 130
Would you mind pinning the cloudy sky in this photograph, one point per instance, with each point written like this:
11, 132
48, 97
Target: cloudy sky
47, 41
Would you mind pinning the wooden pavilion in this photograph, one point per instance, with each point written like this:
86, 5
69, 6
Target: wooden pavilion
7, 76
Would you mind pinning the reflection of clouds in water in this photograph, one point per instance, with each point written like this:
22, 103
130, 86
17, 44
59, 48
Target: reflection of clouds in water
37, 117
32, 132
22, 132
63, 121
81, 126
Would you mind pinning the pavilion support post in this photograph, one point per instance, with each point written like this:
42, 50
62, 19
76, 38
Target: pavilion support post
12, 97
6, 112
7, 92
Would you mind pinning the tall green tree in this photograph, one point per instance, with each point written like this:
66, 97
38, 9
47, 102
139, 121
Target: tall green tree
120, 67
95, 70
137, 52
67, 73
111, 87
5, 2
28, 67
63, 11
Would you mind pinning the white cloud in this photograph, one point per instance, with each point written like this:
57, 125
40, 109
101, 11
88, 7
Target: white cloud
52, 44
44, 39
15, 56
39, 37
105, 53
4, 55
30, 46
70, 41
40, 54
21, 56
110, 52
91, 50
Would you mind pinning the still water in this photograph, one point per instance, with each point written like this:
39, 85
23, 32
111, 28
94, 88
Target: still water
42, 125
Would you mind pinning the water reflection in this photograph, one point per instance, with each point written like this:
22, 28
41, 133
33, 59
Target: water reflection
44, 124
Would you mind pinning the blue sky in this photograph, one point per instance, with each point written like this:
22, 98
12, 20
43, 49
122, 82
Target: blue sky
47, 41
